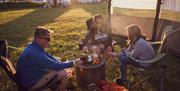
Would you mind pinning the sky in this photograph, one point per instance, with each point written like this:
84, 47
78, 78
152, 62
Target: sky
135, 4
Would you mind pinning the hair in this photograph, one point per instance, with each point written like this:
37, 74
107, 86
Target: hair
3, 48
41, 31
134, 30
99, 16
3, 42
89, 23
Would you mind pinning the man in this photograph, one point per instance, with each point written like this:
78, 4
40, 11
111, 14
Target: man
34, 63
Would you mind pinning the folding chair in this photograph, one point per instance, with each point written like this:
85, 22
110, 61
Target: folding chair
10, 69
159, 57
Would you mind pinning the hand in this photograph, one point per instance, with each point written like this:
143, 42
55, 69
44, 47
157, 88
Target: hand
85, 49
78, 62
112, 54
128, 54
107, 55
70, 72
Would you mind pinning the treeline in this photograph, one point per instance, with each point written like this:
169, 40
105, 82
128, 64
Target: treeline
20, 5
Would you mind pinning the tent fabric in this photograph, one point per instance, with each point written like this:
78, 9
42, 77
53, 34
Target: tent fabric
172, 43
162, 24
173, 5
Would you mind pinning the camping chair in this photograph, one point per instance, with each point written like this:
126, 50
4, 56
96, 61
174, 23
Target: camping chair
159, 57
10, 69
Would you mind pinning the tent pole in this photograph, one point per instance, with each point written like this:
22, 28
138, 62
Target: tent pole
158, 7
109, 15
109, 11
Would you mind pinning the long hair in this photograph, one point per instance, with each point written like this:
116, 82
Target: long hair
134, 30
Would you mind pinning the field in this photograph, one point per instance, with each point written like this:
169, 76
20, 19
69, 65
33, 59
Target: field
69, 25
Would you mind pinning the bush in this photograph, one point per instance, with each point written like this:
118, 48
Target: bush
19, 5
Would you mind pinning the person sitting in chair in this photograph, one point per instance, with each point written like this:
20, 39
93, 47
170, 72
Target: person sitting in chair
98, 31
3, 52
35, 66
3, 47
138, 48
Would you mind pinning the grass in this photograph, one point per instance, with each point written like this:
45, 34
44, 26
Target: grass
171, 15
69, 25
17, 27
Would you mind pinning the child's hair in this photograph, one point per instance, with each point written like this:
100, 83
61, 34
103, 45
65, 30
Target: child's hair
134, 30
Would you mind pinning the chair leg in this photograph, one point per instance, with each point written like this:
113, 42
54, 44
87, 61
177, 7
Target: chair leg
162, 77
144, 79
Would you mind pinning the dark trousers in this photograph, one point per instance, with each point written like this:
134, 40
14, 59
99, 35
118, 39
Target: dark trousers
124, 62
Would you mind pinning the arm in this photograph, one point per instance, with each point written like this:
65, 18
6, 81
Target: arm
43, 60
114, 54
138, 50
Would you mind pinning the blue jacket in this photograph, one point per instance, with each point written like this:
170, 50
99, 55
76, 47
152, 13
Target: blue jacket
34, 62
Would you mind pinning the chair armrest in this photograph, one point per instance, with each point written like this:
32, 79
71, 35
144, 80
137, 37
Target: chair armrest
114, 42
156, 43
154, 59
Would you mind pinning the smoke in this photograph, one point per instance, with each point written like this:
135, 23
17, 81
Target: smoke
120, 22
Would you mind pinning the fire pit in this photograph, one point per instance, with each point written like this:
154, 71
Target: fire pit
90, 73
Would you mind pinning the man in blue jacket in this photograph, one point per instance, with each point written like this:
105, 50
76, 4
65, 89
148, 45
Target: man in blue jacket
34, 63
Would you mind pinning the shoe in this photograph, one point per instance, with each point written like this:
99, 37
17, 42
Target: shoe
120, 81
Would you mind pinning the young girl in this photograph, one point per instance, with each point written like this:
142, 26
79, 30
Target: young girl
98, 31
138, 48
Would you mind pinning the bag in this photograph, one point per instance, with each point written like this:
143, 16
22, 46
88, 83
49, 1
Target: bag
110, 86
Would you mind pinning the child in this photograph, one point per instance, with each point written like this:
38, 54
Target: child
138, 48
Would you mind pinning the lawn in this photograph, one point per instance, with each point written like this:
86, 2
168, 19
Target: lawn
17, 27
69, 25
171, 15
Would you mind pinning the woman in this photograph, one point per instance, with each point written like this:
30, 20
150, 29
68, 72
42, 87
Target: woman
98, 32
138, 48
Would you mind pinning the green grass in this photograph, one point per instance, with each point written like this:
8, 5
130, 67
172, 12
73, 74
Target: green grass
165, 14
68, 23
17, 27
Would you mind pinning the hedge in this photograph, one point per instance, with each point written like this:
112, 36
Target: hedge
20, 5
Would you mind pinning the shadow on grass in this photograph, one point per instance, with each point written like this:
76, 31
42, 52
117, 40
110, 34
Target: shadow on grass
19, 31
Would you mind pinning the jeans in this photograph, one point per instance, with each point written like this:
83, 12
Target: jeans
124, 62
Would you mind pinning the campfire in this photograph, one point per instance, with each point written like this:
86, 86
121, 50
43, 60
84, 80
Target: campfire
93, 68
91, 59
94, 57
